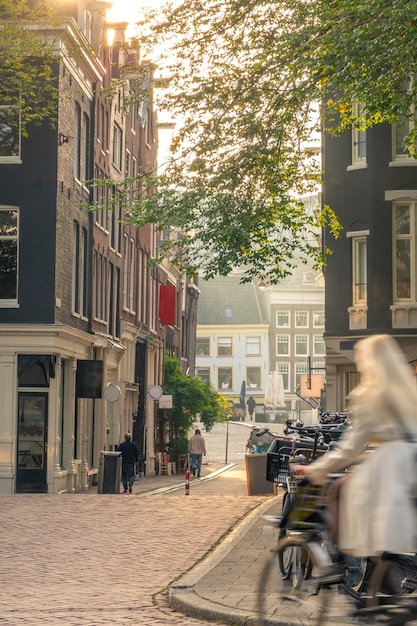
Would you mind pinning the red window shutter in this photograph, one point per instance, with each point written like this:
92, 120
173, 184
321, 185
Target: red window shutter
167, 299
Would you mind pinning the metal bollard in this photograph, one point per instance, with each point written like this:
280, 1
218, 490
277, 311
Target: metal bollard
187, 483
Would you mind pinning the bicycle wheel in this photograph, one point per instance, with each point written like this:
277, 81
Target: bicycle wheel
277, 595
358, 571
285, 557
391, 596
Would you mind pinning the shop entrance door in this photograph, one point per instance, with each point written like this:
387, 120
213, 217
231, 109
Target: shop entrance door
32, 443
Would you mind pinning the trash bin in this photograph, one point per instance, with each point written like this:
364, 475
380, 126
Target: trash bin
109, 472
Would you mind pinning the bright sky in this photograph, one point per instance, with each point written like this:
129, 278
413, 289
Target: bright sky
128, 11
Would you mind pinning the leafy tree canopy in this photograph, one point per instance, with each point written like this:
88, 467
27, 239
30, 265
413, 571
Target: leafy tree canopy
246, 77
191, 396
26, 63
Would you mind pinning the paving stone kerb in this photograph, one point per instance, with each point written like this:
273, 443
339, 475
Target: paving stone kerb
223, 587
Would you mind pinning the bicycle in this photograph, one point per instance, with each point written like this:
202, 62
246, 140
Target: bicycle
390, 593
303, 448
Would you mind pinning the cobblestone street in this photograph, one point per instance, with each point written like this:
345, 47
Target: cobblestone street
93, 559
88, 559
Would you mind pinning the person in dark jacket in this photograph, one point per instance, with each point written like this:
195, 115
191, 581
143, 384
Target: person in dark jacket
130, 456
251, 406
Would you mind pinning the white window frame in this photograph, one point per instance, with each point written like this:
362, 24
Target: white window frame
283, 340
117, 153
283, 367
359, 270
7, 236
12, 158
297, 315
358, 139
301, 339
253, 346
300, 367
318, 340
404, 239
79, 270
282, 314
316, 315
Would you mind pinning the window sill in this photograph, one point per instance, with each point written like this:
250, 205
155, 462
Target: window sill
9, 304
403, 163
404, 314
10, 160
358, 317
360, 165
79, 316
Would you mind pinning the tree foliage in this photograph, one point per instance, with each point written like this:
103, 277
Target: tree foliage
246, 76
27, 61
191, 396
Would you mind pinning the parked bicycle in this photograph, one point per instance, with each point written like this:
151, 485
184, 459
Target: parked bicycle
389, 592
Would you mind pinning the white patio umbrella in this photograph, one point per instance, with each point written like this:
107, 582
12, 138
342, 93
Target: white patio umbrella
274, 394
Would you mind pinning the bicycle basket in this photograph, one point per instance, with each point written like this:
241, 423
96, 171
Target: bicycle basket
277, 461
306, 510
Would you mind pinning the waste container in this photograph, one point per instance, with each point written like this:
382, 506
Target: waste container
109, 472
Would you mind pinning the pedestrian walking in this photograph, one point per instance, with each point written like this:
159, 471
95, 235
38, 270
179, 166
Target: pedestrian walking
130, 456
251, 406
197, 448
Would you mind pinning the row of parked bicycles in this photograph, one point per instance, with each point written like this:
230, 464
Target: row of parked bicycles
380, 590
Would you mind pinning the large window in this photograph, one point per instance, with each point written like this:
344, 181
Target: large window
283, 345
253, 377
300, 368
301, 319
253, 346
400, 130
404, 251
224, 346
350, 381
129, 273
117, 146
10, 133
358, 138
319, 347
282, 319
203, 346
81, 143
301, 345
284, 370
79, 260
9, 238
204, 374
225, 378
318, 319
359, 270
100, 286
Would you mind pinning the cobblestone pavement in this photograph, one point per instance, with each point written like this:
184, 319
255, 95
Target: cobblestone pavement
92, 560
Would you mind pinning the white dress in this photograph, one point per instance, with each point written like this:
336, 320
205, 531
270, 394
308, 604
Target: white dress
377, 502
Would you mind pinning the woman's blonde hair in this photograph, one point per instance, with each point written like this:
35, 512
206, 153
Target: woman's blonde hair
387, 388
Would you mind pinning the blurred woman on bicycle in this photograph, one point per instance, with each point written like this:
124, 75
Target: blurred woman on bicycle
377, 511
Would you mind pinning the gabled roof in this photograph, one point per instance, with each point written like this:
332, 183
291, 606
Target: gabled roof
226, 301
